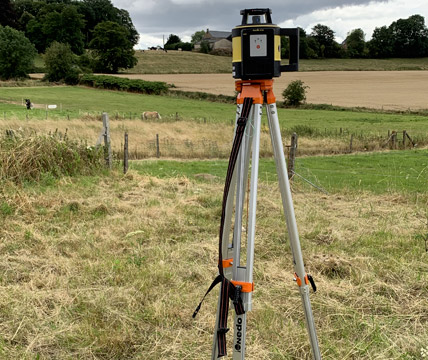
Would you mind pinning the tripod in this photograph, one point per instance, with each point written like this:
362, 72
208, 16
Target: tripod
260, 93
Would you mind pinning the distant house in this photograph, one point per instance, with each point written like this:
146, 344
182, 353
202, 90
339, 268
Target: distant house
218, 40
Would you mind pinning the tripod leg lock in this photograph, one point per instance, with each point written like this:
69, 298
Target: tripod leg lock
246, 287
308, 280
227, 263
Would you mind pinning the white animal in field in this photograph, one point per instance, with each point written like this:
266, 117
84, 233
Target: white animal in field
151, 115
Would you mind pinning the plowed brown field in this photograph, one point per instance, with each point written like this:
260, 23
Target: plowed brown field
393, 90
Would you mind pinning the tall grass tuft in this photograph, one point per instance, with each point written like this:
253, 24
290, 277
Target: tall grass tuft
30, 157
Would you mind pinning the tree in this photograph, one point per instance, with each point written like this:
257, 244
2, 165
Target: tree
60, 62
16, 54
325, 39
197, 36
72, 25
403, 38
125, 20
8, 15
172, 39
410, 37
64, 26
355, 44
97, 11
313, 48
111, 47
381, 45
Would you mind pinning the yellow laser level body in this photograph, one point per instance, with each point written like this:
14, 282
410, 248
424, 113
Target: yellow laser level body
256, 46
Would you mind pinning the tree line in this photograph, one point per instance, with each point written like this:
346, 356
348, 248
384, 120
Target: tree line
404, 38
89, 35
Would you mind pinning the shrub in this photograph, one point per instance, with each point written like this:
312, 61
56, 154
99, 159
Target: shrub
205, 47
30, 158
73, 76
60, 64
295, 93
221, 52
124, 84
304, 130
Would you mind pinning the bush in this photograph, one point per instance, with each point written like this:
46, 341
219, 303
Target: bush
221, 52
30, 158
295, 93
205, 47
124, 84
73, 76
60, 64
304, 130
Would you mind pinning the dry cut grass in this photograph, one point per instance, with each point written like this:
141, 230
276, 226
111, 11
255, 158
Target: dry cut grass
179, 139
113, 267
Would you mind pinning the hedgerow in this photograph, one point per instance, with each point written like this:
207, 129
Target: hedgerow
124, 84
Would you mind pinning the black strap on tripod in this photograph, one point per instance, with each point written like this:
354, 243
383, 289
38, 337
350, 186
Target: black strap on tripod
228, 290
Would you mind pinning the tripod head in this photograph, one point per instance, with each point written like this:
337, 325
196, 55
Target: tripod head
256, 45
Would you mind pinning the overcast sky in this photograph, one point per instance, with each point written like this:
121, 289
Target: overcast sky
157, 18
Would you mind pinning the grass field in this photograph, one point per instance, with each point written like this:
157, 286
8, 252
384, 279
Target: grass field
184, 62
75, 101
112, 266
380, 173
204, 129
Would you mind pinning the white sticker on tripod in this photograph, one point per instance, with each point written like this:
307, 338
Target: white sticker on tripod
258, 45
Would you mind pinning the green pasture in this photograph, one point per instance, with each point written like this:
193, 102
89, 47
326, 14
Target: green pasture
387, 172
363, 64
186, 62
76, 101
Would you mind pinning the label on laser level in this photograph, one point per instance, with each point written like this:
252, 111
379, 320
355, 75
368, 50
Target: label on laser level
258, 45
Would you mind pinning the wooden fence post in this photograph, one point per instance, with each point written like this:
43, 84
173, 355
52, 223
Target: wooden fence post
157, 146
410, 139
350, 143
404, 139
125, 154
394, 139
292, 155
107, 144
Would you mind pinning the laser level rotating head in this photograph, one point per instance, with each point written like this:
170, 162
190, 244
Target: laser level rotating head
257, 46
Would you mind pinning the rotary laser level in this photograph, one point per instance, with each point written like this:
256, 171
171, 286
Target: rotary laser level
257, 46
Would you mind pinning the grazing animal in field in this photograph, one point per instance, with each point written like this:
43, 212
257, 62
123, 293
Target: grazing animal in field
147, 115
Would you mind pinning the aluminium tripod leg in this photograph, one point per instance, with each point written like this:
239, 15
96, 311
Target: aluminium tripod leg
287, 204
250, 144
245, 273
227, 248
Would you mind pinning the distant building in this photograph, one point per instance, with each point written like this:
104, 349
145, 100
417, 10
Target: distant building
218, 40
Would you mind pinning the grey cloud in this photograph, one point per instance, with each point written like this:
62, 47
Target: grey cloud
168, 17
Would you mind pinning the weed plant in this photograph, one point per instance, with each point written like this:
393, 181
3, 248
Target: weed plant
26, 158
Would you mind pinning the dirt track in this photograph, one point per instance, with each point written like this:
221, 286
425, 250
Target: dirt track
396, 90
